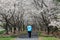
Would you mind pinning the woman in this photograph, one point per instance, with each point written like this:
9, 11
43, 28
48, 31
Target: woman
29, 29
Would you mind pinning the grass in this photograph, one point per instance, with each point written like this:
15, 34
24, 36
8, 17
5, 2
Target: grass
50, 38
46, 37
58, 0
39, 33
12, 37
24, 32
1, 32
6, 38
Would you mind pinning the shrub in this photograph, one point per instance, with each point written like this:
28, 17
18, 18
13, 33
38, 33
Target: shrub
1, 32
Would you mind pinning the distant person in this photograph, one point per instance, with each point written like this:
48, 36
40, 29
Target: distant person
29, 29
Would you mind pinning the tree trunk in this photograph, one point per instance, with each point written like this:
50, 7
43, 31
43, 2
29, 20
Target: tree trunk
18, 29
6, 28
11, 29
14, 30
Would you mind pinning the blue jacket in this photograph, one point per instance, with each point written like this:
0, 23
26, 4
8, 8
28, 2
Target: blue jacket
29, 28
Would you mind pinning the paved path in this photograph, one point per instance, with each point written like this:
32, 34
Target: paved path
25, 37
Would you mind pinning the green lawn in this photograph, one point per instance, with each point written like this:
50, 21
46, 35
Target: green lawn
47, 37
50, 38
6, 38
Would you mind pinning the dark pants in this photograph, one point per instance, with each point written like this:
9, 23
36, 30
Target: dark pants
29, 34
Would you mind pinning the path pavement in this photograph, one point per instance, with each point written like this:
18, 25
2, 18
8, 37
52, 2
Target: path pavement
25, 37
